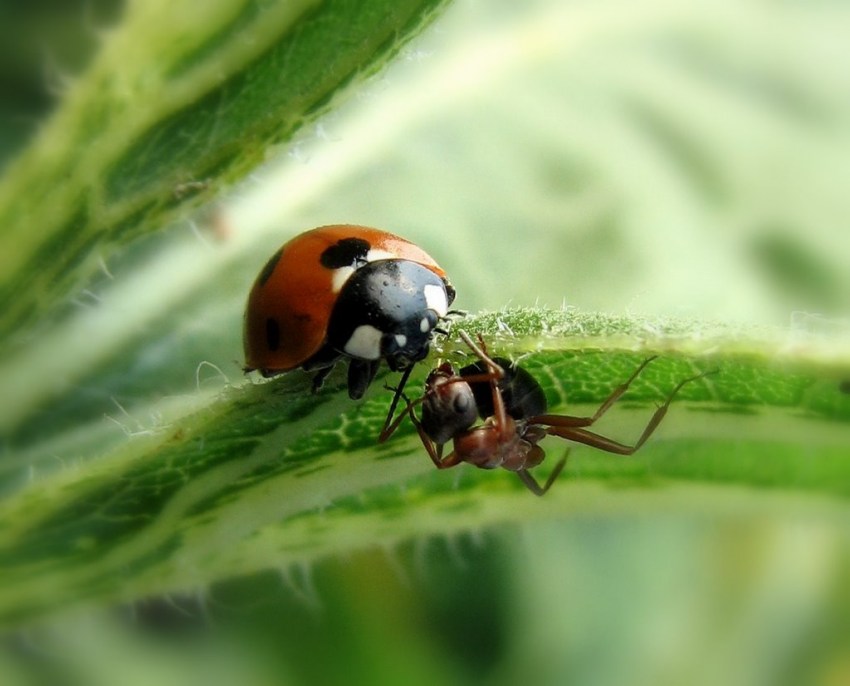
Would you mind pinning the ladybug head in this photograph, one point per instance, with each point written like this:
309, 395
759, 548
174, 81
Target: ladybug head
410, 341
388, 309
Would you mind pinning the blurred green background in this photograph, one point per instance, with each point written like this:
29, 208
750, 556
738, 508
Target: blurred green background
664, 158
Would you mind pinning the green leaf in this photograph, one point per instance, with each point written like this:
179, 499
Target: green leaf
241, 484
648, 158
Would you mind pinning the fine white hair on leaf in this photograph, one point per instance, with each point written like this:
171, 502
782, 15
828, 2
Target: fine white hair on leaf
215, 367
298, 578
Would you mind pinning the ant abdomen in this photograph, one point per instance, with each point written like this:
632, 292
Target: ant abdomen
522, 395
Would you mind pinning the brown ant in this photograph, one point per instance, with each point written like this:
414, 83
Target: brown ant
514, 409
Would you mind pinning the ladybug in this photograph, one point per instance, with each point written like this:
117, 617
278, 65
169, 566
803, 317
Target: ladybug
345, 291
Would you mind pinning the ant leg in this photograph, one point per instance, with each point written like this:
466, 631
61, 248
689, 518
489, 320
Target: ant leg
531, 483
482, 354
482, 345
570, 431
435, 451
568, 420
390, 429
500, 414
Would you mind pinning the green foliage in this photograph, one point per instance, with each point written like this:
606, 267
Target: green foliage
235, 484
194, 107
163, 515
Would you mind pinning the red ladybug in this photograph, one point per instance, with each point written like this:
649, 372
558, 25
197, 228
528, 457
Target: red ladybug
344, 291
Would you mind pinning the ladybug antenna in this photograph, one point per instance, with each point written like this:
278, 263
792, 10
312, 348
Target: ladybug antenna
448, 318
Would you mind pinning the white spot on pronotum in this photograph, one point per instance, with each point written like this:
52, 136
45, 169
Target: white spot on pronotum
364, 343
435, 297
340, 276
424, 325
374, 255
401, 339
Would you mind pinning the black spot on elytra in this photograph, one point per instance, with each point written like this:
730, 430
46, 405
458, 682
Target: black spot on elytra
272, 333
268, 270
345, 253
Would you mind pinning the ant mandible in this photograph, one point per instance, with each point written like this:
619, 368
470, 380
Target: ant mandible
514, 409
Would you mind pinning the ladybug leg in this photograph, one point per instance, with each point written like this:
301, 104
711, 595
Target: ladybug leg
386, 431
447, 318
360, 375
565, 428
322, 363
319, 378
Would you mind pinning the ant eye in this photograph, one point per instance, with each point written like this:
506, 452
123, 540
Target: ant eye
461, 403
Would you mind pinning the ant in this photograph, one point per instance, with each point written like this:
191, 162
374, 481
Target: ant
514, 409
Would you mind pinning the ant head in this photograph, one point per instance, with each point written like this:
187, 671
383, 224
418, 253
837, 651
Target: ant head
448, 408
439, 376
